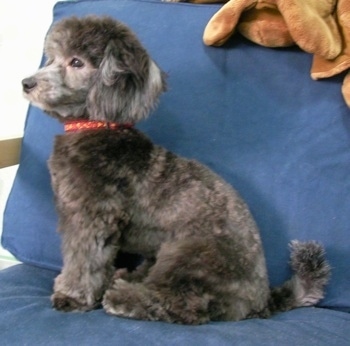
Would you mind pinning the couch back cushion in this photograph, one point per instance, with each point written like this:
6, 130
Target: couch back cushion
250, 113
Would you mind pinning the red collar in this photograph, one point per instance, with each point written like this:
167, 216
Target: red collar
84, 125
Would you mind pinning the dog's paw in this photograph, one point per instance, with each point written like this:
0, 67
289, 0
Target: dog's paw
125, 300
121, 273
115, 300
64, 303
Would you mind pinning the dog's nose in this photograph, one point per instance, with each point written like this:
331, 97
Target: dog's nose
29, 84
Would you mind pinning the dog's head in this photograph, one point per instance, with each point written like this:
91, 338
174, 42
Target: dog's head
97, 69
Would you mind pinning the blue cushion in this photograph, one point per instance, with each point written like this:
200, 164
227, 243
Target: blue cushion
26, 318
250, 113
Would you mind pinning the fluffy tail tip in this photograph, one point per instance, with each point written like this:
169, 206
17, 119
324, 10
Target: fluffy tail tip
309, 263
311, 274
312, 271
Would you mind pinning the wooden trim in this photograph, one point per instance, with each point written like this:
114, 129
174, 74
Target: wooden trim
10, 150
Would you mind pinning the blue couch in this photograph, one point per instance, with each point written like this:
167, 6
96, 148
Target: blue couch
250, 113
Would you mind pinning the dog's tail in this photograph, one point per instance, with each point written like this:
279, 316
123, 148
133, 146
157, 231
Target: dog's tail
306, 287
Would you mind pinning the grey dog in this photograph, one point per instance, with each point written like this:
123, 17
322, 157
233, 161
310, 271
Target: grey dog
117, 191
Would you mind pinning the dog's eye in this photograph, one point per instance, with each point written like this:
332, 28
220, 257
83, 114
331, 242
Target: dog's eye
76, 63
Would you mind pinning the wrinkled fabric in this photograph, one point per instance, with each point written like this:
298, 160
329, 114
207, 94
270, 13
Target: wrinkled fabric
26, 318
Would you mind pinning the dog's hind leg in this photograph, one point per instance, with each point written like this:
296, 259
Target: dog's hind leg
192, 281
160, 297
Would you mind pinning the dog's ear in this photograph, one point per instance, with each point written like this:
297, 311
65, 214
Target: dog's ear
127, 86
122, 64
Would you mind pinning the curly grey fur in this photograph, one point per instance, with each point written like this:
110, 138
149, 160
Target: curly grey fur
117, 191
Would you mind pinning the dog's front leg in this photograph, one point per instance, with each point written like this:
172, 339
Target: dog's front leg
88, 255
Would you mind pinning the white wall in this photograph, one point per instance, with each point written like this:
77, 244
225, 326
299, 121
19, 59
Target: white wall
23, 26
